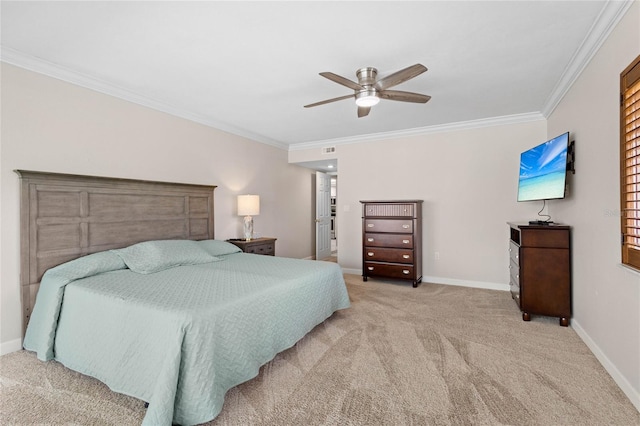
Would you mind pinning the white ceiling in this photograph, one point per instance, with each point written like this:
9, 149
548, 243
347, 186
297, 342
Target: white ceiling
249, 67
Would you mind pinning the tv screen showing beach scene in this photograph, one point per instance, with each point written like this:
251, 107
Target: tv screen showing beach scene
543, 170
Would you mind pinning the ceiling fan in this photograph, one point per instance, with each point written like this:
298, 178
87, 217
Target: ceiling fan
368, 91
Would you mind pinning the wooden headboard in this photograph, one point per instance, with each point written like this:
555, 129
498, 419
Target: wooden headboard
63, 217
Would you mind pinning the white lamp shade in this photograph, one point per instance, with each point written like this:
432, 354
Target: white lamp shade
248, 205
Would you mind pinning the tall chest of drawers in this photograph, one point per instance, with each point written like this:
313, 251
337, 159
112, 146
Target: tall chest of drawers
392, 240
540, 270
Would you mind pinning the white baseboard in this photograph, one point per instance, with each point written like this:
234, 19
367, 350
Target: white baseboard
465, 283
10, 346
621, 381
447, 281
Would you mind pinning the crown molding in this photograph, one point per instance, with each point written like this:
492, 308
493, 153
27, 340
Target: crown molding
418, 131
32, 63
611, 13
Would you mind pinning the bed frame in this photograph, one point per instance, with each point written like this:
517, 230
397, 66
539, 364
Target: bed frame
63, 217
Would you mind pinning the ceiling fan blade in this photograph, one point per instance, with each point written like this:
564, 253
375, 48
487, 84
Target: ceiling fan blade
400, 76
341, 80
398, 95
363, 111
330, 100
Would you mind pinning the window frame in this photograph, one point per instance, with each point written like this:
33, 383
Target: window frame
630, 164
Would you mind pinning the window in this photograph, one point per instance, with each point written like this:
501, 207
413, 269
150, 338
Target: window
630, 163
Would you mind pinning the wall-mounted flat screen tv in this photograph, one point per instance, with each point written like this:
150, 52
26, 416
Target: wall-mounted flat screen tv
543, 170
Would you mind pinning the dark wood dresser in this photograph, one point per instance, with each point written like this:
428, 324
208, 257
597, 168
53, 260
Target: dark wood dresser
540, 270
392, 240
264, 245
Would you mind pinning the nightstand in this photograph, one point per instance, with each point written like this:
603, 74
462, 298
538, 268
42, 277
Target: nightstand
265, 245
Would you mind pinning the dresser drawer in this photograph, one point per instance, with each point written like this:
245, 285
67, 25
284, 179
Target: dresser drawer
514, 287
389, 225
389, 210
514, 281
514, 253
389, 270
388, 255
514, 272
267, 249
388, 240
550, 238
263, 245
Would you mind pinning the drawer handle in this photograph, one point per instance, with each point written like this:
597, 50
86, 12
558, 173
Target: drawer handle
406, 272
370, 253
405, 256
405, 241
510, 267
370, 240
369, 225
405, 226
370, 268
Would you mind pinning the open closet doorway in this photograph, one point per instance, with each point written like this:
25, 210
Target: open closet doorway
325, 207
326, 203
334, 222
323, 216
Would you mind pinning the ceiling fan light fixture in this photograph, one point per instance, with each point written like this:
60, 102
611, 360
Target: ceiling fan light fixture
367, 98
369, 90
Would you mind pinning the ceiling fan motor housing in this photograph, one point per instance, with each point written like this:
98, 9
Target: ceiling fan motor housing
367, 97
367, 76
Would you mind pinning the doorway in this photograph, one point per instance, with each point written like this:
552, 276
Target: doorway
325, 208
334, 222
323, 216
326, 223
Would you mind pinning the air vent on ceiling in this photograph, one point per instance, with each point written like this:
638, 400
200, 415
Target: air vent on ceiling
328, 149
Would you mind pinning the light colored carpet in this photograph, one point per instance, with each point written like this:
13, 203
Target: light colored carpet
433, 355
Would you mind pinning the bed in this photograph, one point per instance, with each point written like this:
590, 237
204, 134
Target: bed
175, 320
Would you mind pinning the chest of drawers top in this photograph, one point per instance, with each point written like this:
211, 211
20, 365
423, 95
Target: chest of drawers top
554, 235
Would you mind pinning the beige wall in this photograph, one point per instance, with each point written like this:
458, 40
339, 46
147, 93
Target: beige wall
468, 181
606, 296
50, 125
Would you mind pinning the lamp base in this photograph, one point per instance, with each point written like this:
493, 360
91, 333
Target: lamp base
248, 228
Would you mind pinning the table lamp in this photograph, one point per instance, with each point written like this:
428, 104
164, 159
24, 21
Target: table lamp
248, 205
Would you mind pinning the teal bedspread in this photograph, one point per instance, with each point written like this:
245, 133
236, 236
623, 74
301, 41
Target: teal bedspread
182, 337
